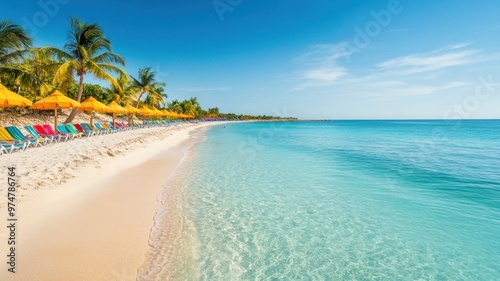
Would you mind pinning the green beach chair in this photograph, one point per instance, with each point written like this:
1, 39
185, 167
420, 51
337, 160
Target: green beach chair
16, 133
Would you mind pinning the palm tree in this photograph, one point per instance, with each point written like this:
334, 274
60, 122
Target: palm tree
86, 51
34, 74
13, 41
187, 107
145, 82
124, 93
156, 96
175, 106
196, 104
213, 112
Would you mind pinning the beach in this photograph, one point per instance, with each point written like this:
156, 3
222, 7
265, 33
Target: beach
85, 208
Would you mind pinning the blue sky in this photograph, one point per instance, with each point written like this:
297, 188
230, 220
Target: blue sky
383, 59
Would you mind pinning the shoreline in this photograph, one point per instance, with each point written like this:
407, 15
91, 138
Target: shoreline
95, 225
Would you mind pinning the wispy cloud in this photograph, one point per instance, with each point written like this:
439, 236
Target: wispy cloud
410, 75
325, 74
402, 89
321, 54
321, 65
201, 89
450, 56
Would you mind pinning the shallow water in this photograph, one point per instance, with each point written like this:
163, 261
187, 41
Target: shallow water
342, 200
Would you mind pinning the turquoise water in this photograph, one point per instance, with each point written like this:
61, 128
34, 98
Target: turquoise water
344, 200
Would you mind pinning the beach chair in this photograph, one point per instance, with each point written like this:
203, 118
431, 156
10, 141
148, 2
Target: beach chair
9, 148
113, 126
34, 134
124, 126
75, 131
107, 127
94, 128
86, 126
62, 129
48, 128
79, 128
120, 126
16, 133
137, 125
101, 129
41, 131
7, 139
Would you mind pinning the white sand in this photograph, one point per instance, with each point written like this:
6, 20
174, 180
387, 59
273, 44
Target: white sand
85, 208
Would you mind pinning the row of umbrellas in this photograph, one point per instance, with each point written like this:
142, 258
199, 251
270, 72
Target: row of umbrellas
58, 100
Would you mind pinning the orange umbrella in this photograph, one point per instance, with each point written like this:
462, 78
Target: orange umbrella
54, 101
91, 104
173, 115
145, 111
115, 108
156, 112
165, 113
9, 98
131, 110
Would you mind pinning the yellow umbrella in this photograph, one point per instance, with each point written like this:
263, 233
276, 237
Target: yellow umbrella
165, 113
131, 110
115, 108
156, 112
9, 98
145, 111
54, 101
178, 116
91, 104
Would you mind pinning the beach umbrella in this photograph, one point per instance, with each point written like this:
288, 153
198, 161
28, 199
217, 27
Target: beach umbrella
9, 98
165, 113
54, 101
156, 112
176, 115
91, 104
115, 108
144, 111
131, 110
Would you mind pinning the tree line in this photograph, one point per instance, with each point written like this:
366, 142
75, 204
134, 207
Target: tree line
35, 72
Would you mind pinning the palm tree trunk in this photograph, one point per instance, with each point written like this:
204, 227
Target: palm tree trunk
78, 99
139, 100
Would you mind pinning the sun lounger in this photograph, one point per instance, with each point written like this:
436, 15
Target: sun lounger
100, 128
16, 134
123, 126
87, 127
113, 126
41, 131
119, 126
9, 148
34, 133
62, 129
7, 139
107, 127
84, 130
75, 131
48, 128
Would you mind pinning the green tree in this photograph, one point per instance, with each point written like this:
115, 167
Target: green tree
156, 96
90, 90
145, 82
14, 40
213, 112
175, 106
87, 51
34, 74
187, 107
124, 93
